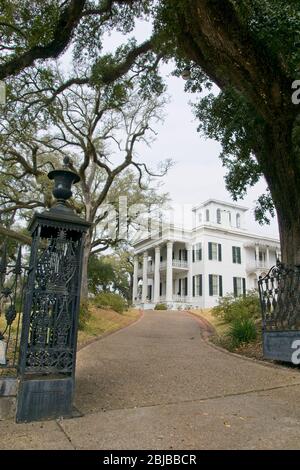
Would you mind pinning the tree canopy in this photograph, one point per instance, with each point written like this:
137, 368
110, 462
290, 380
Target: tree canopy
248, 48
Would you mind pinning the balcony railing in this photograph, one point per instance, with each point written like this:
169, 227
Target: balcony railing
176, 263
179, 298
179, 263
257, 265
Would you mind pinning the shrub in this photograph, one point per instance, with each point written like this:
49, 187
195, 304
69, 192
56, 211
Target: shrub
110, 300
84, 315
242, 330
161, 307
232, 308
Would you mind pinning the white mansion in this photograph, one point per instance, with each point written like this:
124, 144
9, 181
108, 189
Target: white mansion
195, 267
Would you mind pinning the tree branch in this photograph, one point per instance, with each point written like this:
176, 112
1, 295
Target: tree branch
67, 22
6, 232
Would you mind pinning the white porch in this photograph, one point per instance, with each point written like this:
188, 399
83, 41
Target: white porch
163, 274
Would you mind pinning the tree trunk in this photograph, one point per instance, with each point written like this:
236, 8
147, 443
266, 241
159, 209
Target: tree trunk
280, 167
290, 241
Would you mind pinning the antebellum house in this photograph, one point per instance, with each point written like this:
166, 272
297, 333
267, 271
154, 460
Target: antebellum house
195, 267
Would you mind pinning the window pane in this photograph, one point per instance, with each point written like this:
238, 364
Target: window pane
215, 282
214, 247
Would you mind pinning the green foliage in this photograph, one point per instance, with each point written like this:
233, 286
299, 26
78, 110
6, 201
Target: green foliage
100, 274
111, 272
232, 308
84, 315
110, 300
161, 307
242, 330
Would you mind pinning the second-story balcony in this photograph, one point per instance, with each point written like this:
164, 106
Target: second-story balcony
257, 265
176, 263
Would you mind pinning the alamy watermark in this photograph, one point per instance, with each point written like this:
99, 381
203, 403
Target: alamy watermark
296, 354
2, 92
296, 94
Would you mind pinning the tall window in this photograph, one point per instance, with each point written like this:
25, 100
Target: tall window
207, 215
200, 217
239, 286
197, 285
218, 216
214, 251
215, 285
236, 255
238, 220
197, 252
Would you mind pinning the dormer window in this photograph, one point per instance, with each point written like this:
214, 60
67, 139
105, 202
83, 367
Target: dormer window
238, 221
218, 216
207, 215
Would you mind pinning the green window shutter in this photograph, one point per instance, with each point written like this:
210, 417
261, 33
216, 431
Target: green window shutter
234, 287
193, 286
244, 286
179, 288
220, 286
200, 284
200, 254
219, 252
210, 281
210, 250
239, 255
193, 256
233, 255
185, 286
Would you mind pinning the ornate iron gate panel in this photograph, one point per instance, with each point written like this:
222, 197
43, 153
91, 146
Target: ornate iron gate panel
49, 326
12, 283
279, 293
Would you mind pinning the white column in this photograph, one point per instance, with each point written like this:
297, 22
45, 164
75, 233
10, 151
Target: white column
189, 248
257, 255
135, 279
145, 276
156, 275
268, 258
169, 287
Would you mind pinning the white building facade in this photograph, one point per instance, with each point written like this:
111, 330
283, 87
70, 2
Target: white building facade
193, 268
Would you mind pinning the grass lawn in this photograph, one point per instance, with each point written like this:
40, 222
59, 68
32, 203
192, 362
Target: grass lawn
253, 349
206, 313
103, 322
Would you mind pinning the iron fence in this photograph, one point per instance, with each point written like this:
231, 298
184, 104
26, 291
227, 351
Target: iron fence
279, 293
13, 276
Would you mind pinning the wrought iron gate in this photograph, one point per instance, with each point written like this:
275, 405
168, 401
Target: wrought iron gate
279, 294
13, 274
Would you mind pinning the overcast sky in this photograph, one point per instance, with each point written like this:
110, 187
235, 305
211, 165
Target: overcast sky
197, 174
